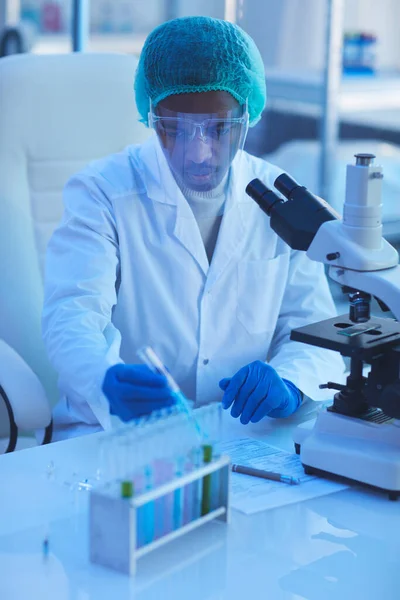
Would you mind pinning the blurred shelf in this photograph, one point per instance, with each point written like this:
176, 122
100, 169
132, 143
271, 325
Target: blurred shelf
131, 43
381, 119
377, 92
378, 118
371, 101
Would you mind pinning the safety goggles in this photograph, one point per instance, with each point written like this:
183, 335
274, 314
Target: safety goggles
210, 129
187, 127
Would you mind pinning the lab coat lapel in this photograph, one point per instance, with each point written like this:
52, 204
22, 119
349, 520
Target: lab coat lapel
231, 235
188, 233
162, 187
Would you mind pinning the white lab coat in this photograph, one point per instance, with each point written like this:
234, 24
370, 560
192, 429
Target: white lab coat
127, 267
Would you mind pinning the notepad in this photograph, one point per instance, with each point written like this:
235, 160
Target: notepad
252, 494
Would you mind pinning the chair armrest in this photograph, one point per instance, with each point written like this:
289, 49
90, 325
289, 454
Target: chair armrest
26, 395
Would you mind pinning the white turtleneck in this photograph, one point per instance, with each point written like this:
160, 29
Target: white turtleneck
208, 210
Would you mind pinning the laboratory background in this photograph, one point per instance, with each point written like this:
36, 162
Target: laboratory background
73, 525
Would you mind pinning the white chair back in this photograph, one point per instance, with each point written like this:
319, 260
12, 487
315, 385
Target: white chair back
57, 113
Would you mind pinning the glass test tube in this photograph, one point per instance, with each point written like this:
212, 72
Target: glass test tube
145, 514
179, 461
150, 358
210, 419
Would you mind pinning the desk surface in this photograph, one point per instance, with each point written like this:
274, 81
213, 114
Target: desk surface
343, 546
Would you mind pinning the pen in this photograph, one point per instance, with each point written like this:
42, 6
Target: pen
265, 474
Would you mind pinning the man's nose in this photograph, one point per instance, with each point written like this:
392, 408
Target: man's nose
199, 150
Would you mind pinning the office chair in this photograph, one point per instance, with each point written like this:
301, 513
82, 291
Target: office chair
57, 113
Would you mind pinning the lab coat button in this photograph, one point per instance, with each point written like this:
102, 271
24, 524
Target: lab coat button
205, 361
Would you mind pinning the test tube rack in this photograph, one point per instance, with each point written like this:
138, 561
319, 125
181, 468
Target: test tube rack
113, 519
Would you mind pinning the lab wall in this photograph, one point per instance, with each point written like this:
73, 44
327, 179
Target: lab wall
291, 33
114, 16
211, 8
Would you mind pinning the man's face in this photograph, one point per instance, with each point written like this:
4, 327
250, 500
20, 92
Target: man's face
200, 134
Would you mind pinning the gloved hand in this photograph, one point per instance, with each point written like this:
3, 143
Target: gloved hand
257, 391
134, 391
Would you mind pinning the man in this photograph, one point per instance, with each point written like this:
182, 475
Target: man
160, 244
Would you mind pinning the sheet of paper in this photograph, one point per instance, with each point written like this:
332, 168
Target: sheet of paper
252, 494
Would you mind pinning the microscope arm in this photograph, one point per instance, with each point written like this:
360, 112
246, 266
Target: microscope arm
384, 285
375, 272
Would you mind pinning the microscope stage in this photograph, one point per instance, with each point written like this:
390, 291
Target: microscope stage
361, 340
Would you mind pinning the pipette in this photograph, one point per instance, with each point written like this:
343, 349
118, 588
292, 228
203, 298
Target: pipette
150, 358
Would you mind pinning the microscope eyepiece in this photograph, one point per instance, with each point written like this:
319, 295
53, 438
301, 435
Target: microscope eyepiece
286, 185
297, 220
265, 198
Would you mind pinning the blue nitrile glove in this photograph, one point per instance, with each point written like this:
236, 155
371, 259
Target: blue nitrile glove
134, 391
257, 391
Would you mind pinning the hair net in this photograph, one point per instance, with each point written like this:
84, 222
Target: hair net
200, 54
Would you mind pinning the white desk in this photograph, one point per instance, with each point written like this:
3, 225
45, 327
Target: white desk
340, 547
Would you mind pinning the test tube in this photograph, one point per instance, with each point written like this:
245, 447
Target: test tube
163, 472
150, 358
210, 419
190, 490
207, 480
179, 460
197, 457
145, 514
215, 436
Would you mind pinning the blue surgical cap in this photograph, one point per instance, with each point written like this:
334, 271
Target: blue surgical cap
200, 54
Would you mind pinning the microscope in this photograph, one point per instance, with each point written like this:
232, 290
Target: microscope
358, 436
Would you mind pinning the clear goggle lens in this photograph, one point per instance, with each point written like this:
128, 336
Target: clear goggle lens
187, 126
209, 129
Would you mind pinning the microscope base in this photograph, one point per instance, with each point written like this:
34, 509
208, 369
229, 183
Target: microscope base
363, 451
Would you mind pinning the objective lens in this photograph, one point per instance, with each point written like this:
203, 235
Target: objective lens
360, 307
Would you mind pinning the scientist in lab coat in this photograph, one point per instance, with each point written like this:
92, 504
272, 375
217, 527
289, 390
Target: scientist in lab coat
160, 244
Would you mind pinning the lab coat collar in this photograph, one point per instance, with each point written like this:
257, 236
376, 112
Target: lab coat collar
158, 179
162, 187
231, 235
